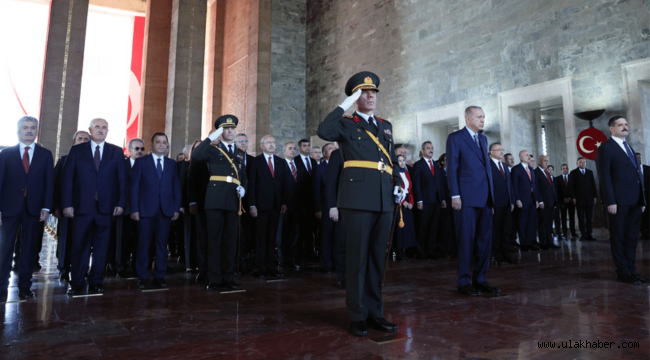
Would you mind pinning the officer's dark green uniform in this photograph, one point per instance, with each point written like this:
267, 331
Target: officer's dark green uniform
222, 203
365, 199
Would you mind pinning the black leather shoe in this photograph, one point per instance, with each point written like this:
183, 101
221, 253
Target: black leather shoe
524, 248
359, 328
64, 276
273, 273
382, 324
96, 289
469, 290
160, 282
534, 247
25, 294
506, 260
544, 247
553, 246
641, 278
74, 290
293, 266
231, 285
485, 287
628, 279
201, 278
143, 284
259, 275
212, 287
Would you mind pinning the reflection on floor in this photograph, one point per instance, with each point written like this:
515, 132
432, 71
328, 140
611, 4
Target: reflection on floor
568, 296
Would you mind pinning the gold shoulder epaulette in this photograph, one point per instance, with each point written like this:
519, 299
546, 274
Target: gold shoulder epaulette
347, 116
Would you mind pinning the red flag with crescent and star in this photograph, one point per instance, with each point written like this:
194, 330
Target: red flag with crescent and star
589, 140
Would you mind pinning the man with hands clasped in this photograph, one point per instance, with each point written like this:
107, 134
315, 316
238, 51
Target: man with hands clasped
369, 188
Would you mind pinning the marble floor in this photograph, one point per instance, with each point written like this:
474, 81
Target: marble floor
567, 296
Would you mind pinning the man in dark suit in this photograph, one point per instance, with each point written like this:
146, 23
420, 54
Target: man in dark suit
63, 227
546, 189
321, 208
268, 199
366, 202
223, 202
557, 228
290, 220
509, 159
332, 177
504, 203
247, 230
94, 191
527, 199
155, 202
645, 217
26, 194
567, 209
622, 184
584, 197
430, 197
308, 240
469, 174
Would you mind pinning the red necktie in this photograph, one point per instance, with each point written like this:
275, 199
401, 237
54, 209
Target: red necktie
271, 167
566, 183
26, 165
433, 172
548, 177
293, 172
502, 172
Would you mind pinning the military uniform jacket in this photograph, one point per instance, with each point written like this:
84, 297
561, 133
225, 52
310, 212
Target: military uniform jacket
221, 195
362, 189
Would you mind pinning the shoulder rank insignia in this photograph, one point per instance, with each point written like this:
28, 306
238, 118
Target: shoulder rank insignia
381, 120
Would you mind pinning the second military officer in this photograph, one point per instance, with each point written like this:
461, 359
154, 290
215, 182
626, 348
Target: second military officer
227, 186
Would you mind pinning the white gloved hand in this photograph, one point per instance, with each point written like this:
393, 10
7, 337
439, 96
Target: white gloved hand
240, 191
399, 195
345, 105
216, 134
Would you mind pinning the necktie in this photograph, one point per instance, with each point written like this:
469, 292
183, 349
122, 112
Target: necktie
372, 123
630, 154
566, 182
503, 173
433, 172
294, 172
582, 171
271, 167
548, 177
308, 165
528, 172
26, 159
97, 158
476, 141
230, 150
159, 169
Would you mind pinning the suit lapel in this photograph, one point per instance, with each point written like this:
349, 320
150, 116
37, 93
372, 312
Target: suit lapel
468, 139
622, 153
17, 159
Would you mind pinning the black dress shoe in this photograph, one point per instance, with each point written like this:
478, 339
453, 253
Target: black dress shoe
160, 282
553, 246
534, 247
96, 289
273, 273
64, 276
544, 247
628, 279
143, 284
382, 324
469, 290
25, 294
231, 285
485, 287
524, 248
259, 275
75, 290
359, 328
293, 266
641, 278
201, 278
212, 287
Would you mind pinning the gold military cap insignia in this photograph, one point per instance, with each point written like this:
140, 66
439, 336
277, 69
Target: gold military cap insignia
367, 80
229, 121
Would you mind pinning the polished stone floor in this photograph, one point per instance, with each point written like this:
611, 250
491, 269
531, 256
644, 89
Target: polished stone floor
561, 296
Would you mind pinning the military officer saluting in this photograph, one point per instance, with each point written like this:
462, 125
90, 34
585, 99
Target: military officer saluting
227, 186
369, 187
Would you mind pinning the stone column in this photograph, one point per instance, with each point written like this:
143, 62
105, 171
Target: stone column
155, 69
62, 74
213, 77
258, 106
185, 79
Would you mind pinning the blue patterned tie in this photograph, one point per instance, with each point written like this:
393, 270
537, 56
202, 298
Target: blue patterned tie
159, 169
630, 154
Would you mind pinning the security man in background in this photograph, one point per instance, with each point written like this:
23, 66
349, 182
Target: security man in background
223, 204
366, 201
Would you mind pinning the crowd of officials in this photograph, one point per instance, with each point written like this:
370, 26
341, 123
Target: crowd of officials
222, 212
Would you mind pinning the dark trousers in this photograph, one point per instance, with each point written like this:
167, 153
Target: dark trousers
474, 234
246, 240
501, 223
366, 239
545, 225
339, 248
447, 231
527, 225
514, 228
201, 231
90, 230
624, 236
585, 219
568, 210
128, 243
327, 239
309, 229
154, 231
266, 228
290, 235
645, 220
31, 229
428, 228
64, 244
556, 222
222, 245
189, 248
